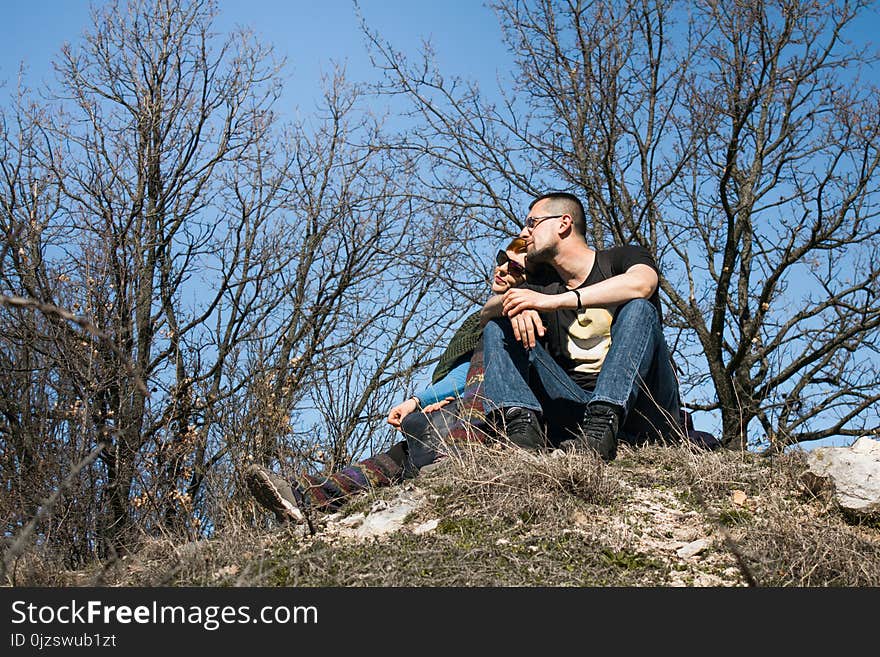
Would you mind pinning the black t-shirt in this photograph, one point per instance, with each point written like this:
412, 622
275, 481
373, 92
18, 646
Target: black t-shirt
579, 343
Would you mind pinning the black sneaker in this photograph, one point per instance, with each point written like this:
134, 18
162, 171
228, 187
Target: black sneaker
598, 431
275, 494
522, 427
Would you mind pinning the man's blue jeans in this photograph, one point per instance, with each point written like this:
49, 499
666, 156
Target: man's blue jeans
636, 376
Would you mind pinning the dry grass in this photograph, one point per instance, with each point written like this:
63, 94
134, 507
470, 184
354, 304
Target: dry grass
785, 535
510, 518
508, 483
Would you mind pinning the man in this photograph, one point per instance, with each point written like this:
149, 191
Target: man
583, 350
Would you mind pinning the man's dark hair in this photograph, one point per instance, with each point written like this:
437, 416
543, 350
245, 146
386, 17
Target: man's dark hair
569, 204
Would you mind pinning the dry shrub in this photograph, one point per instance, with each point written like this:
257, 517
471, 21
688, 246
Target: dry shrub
704, 476
785, 537
505, 519
788, 547
35, 567
508, 482
224, 560
508, 517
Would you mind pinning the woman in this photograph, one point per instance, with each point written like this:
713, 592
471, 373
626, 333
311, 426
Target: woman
446, 411
450, 409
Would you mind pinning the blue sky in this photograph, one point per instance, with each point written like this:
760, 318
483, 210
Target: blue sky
465, 34
312, 35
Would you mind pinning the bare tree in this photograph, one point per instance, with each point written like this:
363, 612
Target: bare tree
44, 430
735, 140
358, 259
191, 284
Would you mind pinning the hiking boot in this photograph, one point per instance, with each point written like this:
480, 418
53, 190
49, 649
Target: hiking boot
275, 494
598, 431
522, 427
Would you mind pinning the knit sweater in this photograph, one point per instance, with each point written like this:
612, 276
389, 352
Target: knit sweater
460, 347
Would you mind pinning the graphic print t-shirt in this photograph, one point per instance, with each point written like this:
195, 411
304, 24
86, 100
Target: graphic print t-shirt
580, 342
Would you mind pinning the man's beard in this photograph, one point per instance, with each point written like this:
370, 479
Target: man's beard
542, 256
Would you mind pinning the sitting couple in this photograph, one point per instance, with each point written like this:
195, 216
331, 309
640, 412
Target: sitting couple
574, 357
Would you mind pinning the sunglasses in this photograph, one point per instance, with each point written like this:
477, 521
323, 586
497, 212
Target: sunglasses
531, 222
513, 267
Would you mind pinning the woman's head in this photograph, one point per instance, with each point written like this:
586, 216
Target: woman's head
509, 266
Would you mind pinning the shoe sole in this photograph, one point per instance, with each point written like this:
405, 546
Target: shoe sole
267, 493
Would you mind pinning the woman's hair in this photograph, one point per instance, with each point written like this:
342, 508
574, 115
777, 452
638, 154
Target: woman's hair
540, 273
517, 245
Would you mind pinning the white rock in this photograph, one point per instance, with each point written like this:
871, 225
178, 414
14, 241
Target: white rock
384, 521
426, 527
352, 520
852, 474
378, 505
867, 445
439, 464
694, 548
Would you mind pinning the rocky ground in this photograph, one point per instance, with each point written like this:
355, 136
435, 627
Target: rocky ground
501, 517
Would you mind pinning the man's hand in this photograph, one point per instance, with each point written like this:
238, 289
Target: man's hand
516, 300
527, 327
522, 306
396, 414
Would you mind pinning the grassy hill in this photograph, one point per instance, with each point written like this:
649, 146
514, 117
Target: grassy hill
657, 516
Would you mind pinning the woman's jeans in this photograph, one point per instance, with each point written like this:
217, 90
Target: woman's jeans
636, 376
426, 435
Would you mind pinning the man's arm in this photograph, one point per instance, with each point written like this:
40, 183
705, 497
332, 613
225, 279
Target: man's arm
527, 325
637, 282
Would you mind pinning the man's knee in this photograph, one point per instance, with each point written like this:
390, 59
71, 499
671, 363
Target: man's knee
497, 330
637, 310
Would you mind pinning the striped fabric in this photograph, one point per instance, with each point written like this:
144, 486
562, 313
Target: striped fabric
470, 424
328, 493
